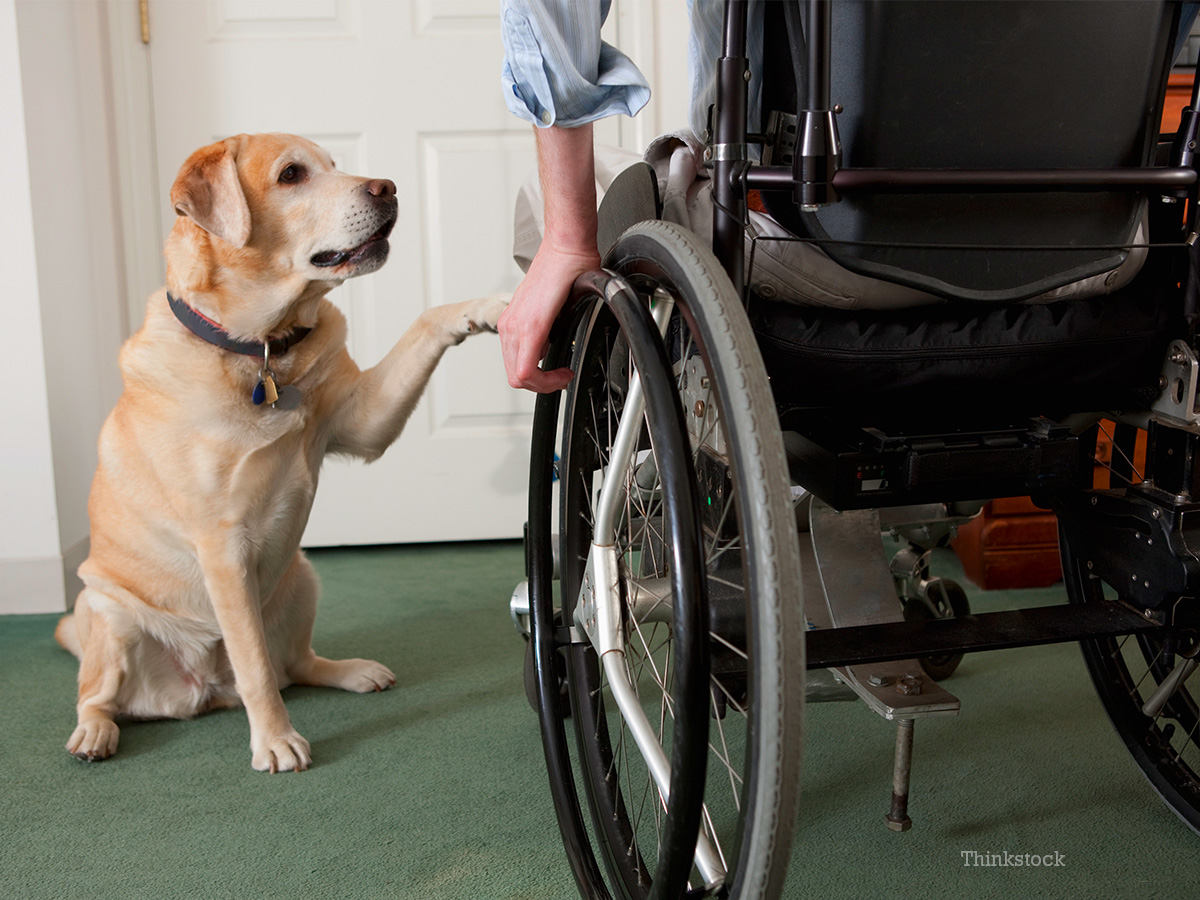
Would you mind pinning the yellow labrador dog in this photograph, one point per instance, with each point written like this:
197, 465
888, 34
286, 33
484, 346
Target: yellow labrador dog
236, 387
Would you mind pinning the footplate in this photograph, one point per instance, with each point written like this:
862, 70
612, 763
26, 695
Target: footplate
857, 587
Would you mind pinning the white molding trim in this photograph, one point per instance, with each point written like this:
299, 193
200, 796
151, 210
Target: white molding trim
46, 585
136, 157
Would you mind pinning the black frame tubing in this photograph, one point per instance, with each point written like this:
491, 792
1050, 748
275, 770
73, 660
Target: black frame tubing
884, 181
729, 146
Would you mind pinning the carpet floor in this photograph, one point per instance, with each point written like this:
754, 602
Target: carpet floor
436, 789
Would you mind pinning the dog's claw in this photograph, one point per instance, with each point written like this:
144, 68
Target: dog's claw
286, 752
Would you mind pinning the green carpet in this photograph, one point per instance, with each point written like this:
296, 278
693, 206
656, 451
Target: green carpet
436, 789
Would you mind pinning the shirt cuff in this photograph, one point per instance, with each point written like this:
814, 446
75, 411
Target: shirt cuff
546, 91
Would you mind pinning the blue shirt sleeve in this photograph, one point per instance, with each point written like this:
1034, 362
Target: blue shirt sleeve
557, 70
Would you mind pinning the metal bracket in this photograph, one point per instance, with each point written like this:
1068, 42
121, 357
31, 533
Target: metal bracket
859, 589
780, 148
700, 410
598, 611
1178, 398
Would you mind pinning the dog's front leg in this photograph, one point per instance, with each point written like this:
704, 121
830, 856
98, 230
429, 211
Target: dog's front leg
379, 406
274, 744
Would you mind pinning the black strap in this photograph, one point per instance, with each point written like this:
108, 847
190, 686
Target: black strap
205, 328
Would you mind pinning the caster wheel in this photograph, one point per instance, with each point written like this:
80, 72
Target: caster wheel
944, 599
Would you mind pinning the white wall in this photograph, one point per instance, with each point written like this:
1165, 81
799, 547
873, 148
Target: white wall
66, 315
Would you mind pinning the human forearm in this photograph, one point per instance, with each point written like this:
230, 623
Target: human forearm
567, 171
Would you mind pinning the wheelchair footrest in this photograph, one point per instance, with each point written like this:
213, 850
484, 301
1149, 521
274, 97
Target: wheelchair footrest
863, 644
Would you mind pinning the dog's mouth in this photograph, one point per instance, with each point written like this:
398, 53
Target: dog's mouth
332, 258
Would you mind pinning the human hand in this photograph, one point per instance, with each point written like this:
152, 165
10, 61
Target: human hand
525, 325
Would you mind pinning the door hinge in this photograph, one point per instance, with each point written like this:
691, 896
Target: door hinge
144, 16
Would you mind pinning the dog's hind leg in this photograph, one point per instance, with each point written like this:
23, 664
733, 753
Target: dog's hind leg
292, 624
101, 672
67, 635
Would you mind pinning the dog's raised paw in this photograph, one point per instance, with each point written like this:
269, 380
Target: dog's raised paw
286, 752
484, 313
94, 740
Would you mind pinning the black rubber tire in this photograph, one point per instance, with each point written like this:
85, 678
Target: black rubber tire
1125, 672
750, 805
954, 603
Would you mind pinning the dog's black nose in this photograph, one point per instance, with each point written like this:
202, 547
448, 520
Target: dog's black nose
381, 187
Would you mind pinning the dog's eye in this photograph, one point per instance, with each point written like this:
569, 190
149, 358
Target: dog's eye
291, 174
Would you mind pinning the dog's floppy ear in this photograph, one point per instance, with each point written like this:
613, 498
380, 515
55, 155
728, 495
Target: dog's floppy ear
208, 192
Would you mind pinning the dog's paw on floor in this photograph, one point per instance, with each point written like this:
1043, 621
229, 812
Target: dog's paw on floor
359, 675
284, 752
94, 740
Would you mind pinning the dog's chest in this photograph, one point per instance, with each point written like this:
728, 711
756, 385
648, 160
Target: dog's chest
274, 478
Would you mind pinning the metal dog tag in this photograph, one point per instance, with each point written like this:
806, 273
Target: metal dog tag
290, 397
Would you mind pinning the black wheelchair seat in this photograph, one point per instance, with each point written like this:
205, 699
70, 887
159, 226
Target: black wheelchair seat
1097, 353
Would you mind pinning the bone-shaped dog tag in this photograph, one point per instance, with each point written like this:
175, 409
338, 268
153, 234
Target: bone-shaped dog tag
270, 391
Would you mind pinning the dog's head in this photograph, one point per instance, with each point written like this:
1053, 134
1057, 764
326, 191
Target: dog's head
269, 216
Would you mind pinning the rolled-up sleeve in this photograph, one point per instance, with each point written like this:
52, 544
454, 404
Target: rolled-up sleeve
557, 70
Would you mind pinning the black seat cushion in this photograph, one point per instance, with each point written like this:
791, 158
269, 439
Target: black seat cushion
1079, 355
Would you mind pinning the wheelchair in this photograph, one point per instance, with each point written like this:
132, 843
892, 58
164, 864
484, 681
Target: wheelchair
720, 454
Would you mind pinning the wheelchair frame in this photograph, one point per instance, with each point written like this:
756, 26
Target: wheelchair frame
849, 634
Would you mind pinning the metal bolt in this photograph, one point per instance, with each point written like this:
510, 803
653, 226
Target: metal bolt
699, 409
837, 109
1155, 513
1090, 565
746, 75
879, 680
909, 685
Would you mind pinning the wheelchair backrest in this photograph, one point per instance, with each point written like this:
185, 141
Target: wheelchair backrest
1006, 84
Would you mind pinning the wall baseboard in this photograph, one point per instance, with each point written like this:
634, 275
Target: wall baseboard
46, 585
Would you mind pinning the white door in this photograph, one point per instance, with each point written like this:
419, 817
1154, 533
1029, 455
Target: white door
406, 90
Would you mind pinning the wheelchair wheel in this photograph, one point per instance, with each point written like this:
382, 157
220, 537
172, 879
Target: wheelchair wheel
1127, 671
721, 696
944, 599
